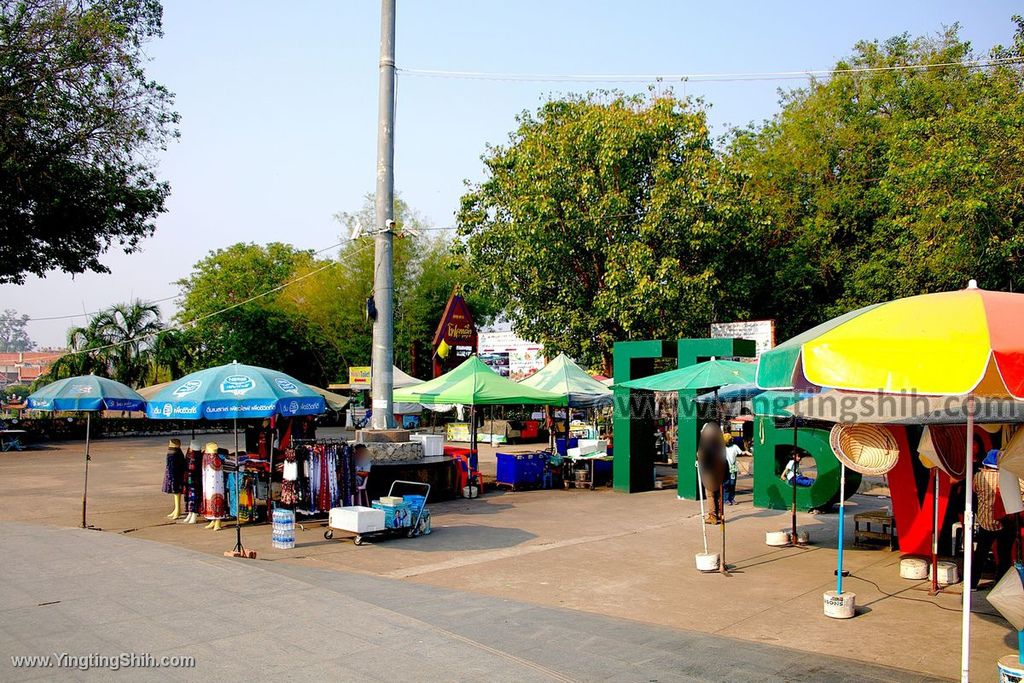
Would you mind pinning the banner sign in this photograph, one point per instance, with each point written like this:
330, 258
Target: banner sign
760, 331
456, 328
510, 356
359, 375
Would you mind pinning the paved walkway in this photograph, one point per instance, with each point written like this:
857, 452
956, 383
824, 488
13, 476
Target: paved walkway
80, 592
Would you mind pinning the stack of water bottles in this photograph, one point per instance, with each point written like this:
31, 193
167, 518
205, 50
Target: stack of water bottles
283, 529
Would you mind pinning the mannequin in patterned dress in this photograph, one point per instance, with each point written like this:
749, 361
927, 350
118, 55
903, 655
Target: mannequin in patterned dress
215, 504
193, 490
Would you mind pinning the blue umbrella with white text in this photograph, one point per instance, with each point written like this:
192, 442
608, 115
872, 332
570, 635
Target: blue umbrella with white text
230, 392
87, 393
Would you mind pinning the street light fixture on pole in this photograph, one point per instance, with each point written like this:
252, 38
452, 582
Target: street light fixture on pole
382, 358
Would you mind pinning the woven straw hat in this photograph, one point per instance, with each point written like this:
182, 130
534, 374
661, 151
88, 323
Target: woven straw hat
174, 443
943, 446
210, 447
864, 448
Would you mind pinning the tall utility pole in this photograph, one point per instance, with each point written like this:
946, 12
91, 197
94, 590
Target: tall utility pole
382, 359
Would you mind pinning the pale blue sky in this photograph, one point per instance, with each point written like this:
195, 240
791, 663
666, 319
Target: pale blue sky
279, 104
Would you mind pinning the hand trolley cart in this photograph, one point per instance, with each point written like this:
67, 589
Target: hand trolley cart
409, 518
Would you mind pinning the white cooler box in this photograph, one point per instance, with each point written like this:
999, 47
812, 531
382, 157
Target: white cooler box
356, 519
592, 446
433, 444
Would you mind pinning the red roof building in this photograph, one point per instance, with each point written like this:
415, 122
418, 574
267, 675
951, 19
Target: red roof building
24, 367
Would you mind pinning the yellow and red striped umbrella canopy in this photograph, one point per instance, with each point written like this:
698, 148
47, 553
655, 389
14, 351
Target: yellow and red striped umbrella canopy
952, 343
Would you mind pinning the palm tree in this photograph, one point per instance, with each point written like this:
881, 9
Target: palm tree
117, 343
172, 355
84, 355
129, 330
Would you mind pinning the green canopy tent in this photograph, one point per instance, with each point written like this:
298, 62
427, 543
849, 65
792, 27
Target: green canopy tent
707, 375
474, 384
562, 376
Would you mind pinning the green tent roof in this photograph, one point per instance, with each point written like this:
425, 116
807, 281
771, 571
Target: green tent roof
563, 377
706, 375
475, 384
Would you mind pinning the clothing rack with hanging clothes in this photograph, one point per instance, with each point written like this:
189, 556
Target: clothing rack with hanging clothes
324, 478
253, 488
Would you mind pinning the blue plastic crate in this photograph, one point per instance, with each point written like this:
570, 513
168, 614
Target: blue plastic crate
520, 470
395, 516
416, 503
602, 470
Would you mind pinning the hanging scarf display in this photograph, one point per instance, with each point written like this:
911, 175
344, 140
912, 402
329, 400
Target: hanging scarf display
325, 478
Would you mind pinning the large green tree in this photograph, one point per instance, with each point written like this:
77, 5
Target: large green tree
79, 124
606, 218
889, 183
231, 310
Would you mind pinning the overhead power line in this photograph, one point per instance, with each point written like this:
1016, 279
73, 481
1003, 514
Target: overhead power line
188, 323
150, 301
696, 77
92, 313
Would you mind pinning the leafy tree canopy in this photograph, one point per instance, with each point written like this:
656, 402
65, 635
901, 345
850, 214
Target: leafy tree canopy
14, 332
609, 218
425, 272
891, 183
227, 320
117, 342
79, 125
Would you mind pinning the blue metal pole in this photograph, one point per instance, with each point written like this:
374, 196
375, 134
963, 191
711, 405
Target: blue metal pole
842, 516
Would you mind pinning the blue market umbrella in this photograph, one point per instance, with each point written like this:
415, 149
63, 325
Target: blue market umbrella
233, 391
87, 393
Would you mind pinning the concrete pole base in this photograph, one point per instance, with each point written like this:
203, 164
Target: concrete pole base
840, 606
707, 562
1010, 669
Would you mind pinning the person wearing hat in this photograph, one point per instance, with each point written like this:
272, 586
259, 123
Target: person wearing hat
193, 489
991, 530
174, 475
215, 505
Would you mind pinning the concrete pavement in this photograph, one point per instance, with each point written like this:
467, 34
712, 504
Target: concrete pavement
593, 552
80, 592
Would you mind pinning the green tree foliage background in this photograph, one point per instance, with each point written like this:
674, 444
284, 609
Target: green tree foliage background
891, 183
315, 327
14, 333
79, 124
607, 217
610, 218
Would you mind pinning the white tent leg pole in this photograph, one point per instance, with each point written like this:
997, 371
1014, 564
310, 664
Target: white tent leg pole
700, 494
965, 629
